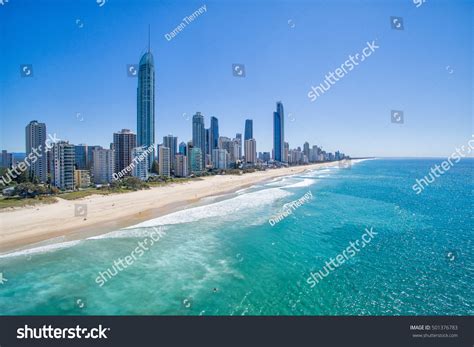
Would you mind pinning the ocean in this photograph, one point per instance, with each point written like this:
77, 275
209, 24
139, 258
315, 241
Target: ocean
223, 257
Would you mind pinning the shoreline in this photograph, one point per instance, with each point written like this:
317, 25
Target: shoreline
31, 226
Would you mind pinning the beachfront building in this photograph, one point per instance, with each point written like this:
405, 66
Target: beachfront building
250, 151
140, 163
278, 133
195, 160
82, 178
286, 151
146, 104
62, 165
199, 134
183, 148
238, 138
306, 150
164, 161
103, 165
248, 129
35, 136
80, 153
231, 146
181, 165
6, 159
214, 133
220, 158
171, 142
90, 156
124, 142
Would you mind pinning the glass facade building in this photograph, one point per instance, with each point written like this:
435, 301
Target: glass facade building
278, 133
146, 104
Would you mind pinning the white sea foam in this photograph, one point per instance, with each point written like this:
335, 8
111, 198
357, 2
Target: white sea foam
304, 183
230, 209
129, 232
41, 249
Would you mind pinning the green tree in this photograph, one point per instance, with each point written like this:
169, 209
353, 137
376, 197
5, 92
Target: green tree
155, 167
29, 190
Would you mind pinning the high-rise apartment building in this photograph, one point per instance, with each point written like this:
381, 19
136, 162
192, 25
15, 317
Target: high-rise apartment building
278, 133
250, 151
219, 158
181, 165
140, 163
199, 134
62, 165
80, 153
124, 142
103, 165
35, 136
164, 161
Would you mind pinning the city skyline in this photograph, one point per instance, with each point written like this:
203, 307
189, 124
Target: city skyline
354, 116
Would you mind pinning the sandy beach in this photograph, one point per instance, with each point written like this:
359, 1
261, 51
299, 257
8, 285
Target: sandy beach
26, 226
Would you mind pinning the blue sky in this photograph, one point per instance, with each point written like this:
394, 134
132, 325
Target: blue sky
424, 70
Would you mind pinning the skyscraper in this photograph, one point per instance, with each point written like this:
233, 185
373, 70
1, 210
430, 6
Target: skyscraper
6, 160
36, 143
248, 129
195, 159
171, 142
103, 165
146, 103
140, 163
250, 151
199, 134
90, 156
80, 156
124, 142
181, 165
238, 137
183, 148
165, 161
286, 150
248, 134
62, 165
306, 150
278, 133
219, 158
208, 141
214, 129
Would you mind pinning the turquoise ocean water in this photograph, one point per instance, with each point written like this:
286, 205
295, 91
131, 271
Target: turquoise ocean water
222, 257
